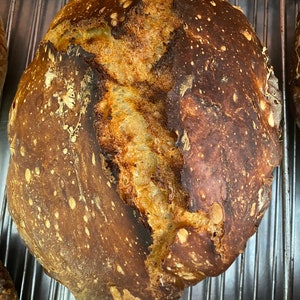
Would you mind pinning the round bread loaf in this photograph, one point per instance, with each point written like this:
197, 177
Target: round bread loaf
143, 139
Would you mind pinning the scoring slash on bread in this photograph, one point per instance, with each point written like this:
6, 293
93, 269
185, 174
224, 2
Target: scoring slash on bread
143, 139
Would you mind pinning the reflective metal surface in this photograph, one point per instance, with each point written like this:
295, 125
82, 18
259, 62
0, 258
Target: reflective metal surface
270, 266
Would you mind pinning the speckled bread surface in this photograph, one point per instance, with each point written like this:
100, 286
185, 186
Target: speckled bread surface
143, 139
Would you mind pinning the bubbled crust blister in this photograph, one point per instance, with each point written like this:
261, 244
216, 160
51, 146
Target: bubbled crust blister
186, 113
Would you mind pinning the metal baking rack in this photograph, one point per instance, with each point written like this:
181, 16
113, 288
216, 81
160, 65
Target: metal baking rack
270, 266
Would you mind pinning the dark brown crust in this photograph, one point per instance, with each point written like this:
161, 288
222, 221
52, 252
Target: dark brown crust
7, 288
233, 145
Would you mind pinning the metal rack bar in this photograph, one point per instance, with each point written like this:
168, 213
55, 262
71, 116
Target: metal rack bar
286, 213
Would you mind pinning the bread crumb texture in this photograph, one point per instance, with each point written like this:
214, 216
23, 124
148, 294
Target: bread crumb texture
164, 113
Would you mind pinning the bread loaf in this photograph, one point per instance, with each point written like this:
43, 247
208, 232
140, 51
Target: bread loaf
143, 139
7, 288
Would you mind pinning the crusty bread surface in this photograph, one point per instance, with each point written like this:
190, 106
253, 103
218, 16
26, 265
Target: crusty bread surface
143, 137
